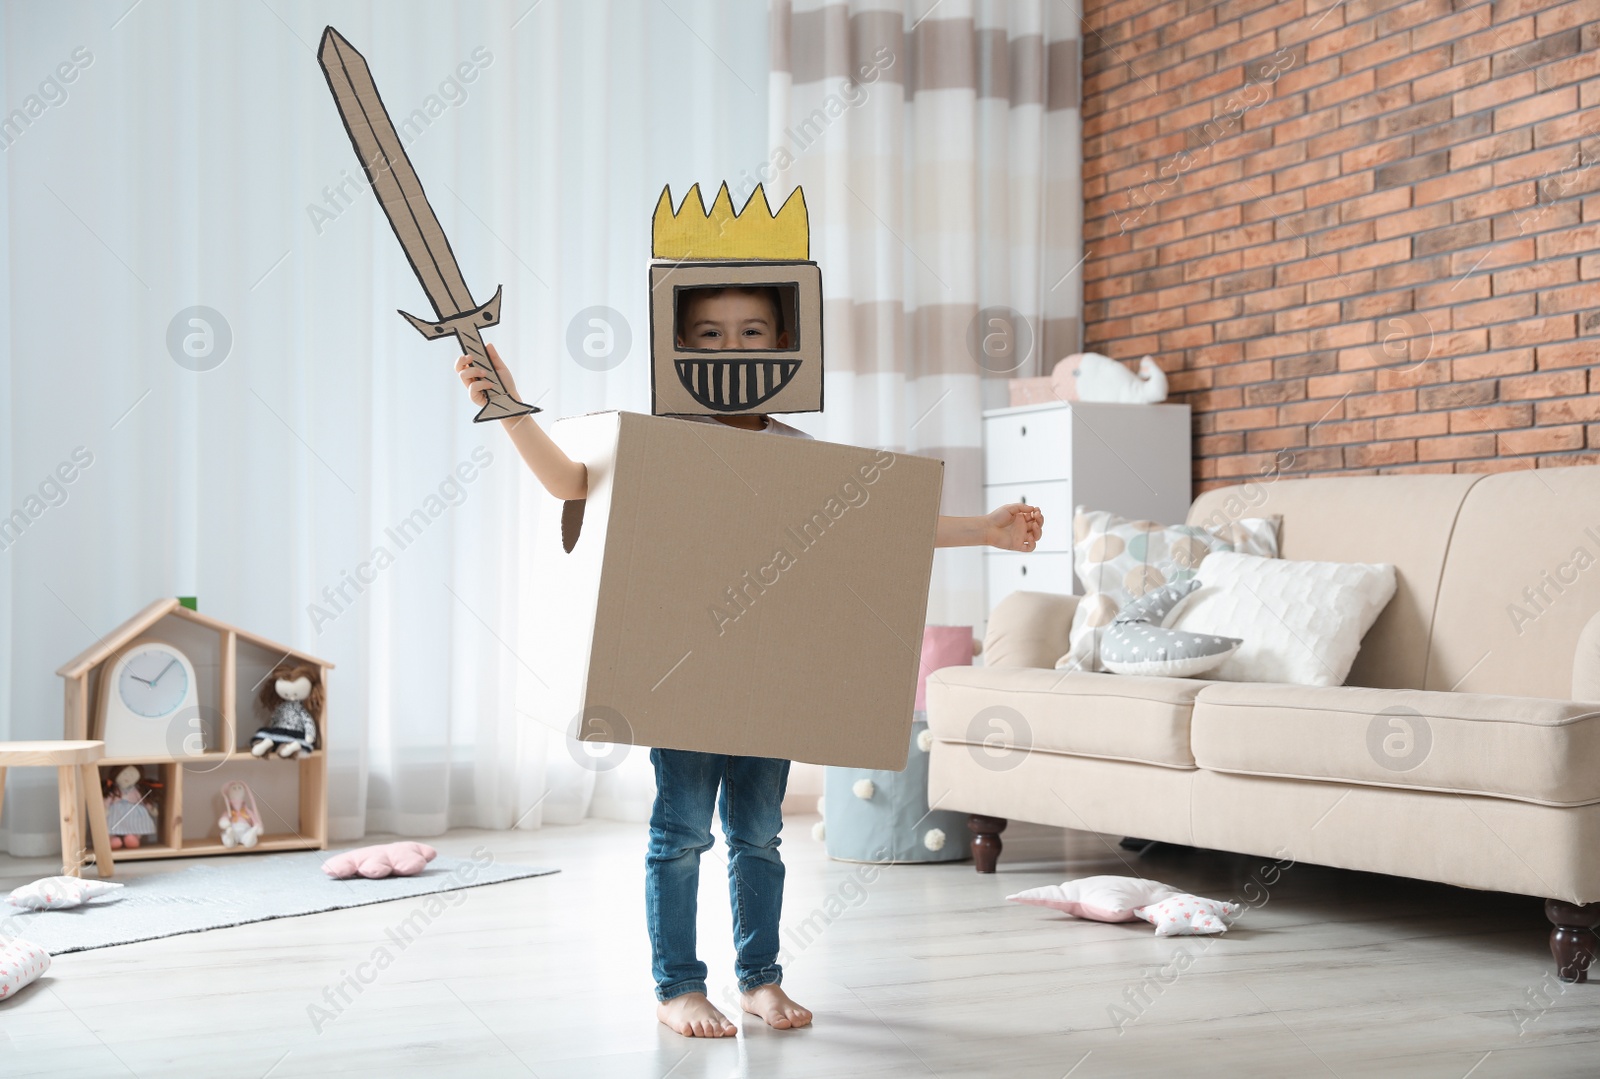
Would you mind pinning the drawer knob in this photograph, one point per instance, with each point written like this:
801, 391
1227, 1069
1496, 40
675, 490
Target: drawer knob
1024, 430
1024, 571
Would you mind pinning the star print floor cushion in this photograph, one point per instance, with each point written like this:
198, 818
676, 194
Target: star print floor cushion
402, 859
60, 893
20, 963
1099, 899
1189, 916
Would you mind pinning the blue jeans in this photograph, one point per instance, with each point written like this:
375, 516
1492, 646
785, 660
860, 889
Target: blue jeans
680, 831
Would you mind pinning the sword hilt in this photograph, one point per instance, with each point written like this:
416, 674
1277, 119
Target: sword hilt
465, 327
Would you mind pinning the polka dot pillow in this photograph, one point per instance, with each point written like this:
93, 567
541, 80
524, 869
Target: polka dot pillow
1189, 916
1126, 558
20, 963
59, 893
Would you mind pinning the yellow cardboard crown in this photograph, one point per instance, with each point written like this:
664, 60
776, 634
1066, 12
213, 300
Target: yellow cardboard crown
752, 233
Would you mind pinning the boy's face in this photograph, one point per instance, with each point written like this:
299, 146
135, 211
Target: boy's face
730, 319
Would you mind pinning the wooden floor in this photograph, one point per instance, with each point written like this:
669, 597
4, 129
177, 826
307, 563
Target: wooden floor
912, 971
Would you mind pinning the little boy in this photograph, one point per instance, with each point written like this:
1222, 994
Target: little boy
687, 783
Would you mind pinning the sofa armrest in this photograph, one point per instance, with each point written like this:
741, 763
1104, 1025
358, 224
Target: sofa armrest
1029, 629
1585, 664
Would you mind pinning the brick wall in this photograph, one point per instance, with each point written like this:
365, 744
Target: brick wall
1360, 236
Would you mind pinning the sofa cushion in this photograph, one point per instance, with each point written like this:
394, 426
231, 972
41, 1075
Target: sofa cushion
1526, 748
1117, 717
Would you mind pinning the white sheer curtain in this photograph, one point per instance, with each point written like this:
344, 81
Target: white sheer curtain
195, 159
939, 146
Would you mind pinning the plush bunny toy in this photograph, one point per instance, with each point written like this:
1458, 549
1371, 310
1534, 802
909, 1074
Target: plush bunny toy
240, 821
292, 698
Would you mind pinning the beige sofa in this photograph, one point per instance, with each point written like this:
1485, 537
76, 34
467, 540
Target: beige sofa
1464, 747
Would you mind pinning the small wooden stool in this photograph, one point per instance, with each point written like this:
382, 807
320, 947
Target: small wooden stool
79, 784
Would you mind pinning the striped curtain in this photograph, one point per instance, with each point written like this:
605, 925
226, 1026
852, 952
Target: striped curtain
938, 143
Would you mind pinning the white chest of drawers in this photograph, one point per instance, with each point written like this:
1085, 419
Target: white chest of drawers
1133, 460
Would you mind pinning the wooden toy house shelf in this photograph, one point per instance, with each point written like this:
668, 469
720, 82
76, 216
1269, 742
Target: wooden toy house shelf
229, 664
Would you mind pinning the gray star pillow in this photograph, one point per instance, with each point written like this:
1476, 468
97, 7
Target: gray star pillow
1136, 642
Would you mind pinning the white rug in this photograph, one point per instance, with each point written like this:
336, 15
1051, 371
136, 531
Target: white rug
236, 889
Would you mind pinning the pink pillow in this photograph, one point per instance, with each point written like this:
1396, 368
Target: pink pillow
403, 859
1099, 899
942, 646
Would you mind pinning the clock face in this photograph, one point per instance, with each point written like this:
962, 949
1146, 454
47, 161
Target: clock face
153, 681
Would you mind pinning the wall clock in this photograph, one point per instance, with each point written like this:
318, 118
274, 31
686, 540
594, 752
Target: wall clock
145, 692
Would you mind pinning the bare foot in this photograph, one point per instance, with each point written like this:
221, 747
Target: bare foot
771, 1003
693, 1016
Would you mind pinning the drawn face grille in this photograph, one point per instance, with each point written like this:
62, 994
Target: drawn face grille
735, 385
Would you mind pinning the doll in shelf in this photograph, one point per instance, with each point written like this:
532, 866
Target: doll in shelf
240, 821
130, 810
291, 697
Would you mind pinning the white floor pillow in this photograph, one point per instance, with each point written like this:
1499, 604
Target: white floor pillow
20, 963
60, 893
1301, 622
1099, 899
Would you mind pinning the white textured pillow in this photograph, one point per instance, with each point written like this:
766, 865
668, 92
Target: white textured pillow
60, 893
20, 963
1301, 622
1100, 899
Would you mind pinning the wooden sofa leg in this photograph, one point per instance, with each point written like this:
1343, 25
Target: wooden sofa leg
1572, 941
985, 840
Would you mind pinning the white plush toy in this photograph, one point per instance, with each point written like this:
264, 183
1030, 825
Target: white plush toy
1089, 376
240, 823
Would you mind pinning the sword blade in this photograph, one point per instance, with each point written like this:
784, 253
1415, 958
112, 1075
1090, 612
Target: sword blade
383, 158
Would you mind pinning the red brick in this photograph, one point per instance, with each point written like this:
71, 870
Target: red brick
1584, 297
1577, 410
1240, 419
1535, 387
1380, 453
1415, 425
1533, 331
1487, 312
1340, 385
1541, 440
1413, 221
1572, 354
1456, 448
1491, 365
1382, 404
1275, 438
1375, 254
1492, 418
1341, 432
1582, 239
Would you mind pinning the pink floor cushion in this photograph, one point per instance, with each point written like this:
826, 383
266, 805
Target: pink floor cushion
20, 963
402, 859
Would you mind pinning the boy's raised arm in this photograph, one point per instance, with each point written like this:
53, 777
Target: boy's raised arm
563, 477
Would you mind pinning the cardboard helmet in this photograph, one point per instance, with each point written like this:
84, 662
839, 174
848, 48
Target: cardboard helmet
735, 307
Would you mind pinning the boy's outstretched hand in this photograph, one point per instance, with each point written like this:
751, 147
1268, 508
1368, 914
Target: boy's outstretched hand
1016, 527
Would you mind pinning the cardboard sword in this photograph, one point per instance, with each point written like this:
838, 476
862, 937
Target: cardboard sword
383, 158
